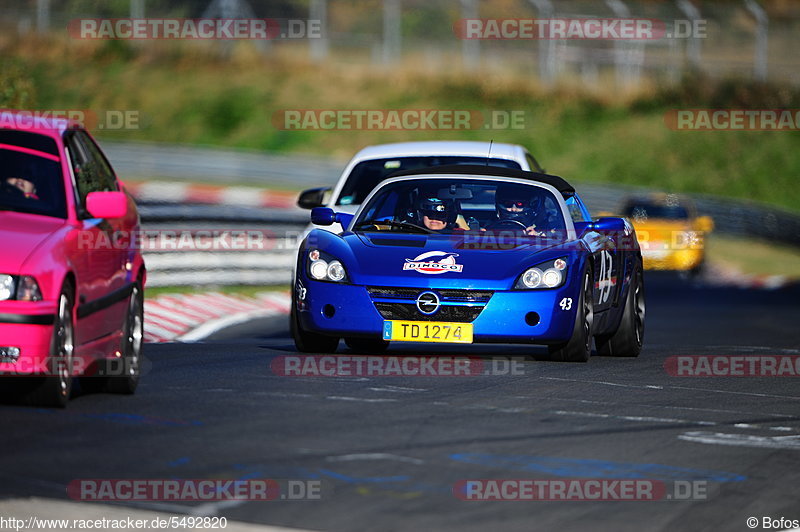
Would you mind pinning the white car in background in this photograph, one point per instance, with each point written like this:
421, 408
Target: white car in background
373, 164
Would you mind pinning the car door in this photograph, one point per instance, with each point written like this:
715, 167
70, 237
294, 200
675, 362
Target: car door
98, 262
119, 226
606, 249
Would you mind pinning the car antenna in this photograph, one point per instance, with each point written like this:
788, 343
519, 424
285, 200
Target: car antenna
489, 155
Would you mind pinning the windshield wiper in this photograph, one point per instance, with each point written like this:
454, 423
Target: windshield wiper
400, 225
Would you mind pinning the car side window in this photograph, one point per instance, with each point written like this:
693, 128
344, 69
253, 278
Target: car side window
105, 174
91, 174
576, 210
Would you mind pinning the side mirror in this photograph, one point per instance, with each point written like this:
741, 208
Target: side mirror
344, 219
609, 225
322, 216
107, 204
704, 224
313, 197
326, 216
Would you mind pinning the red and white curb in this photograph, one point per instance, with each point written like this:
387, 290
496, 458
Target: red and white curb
721, 274
161, 191
193, 317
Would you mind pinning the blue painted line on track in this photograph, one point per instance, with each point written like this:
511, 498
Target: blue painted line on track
589, 468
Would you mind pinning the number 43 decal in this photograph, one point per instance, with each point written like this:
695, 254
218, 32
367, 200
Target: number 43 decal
566, 303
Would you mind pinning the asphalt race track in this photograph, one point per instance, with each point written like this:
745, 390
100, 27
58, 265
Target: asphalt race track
389, 450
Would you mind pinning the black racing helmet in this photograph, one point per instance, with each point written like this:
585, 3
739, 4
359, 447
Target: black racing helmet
436, 208
517, 202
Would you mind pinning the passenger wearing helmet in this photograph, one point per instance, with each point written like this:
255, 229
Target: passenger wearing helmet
514, 203
436, 214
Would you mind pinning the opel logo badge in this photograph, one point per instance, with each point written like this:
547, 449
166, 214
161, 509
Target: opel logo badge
428, 303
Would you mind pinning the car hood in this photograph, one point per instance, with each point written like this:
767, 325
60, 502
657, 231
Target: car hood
20, 235
443, 262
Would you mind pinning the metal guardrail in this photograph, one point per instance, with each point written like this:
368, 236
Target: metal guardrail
273, 264
196, 262
752, 221
219, 165
733, 217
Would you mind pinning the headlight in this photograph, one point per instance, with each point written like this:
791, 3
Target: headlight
324, 267
28, 289
20, 288
335, 271
550, 274
532, 278
319, 269
7, 286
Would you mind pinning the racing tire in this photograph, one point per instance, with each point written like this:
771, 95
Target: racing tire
579, 347
367, 346
125, 379
308, 342
54, 389
627, 340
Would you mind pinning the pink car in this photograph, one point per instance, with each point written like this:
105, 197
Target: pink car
71, 271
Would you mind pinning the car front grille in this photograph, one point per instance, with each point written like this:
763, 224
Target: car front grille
404, 311
449, 295
399, 303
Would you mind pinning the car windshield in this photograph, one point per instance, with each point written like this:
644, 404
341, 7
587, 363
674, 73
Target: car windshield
31, 183
367, 175
642, 210
480, 207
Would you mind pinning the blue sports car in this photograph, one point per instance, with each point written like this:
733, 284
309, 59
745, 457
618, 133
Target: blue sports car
463, 254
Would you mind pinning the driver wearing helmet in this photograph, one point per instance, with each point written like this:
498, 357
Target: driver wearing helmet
25, 186
514, 204
436, 214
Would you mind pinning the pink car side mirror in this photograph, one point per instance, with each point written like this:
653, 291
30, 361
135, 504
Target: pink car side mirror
107, 204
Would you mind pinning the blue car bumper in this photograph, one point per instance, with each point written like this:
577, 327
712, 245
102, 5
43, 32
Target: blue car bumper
508, 317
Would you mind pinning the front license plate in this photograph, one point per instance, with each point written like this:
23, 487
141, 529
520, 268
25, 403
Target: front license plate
427, 331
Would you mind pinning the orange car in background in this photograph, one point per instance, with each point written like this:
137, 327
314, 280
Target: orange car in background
671, 234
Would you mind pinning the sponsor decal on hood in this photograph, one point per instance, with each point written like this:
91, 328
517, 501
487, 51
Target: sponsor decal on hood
434, 263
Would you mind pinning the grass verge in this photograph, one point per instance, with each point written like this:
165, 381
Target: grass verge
754, 256
237, 290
